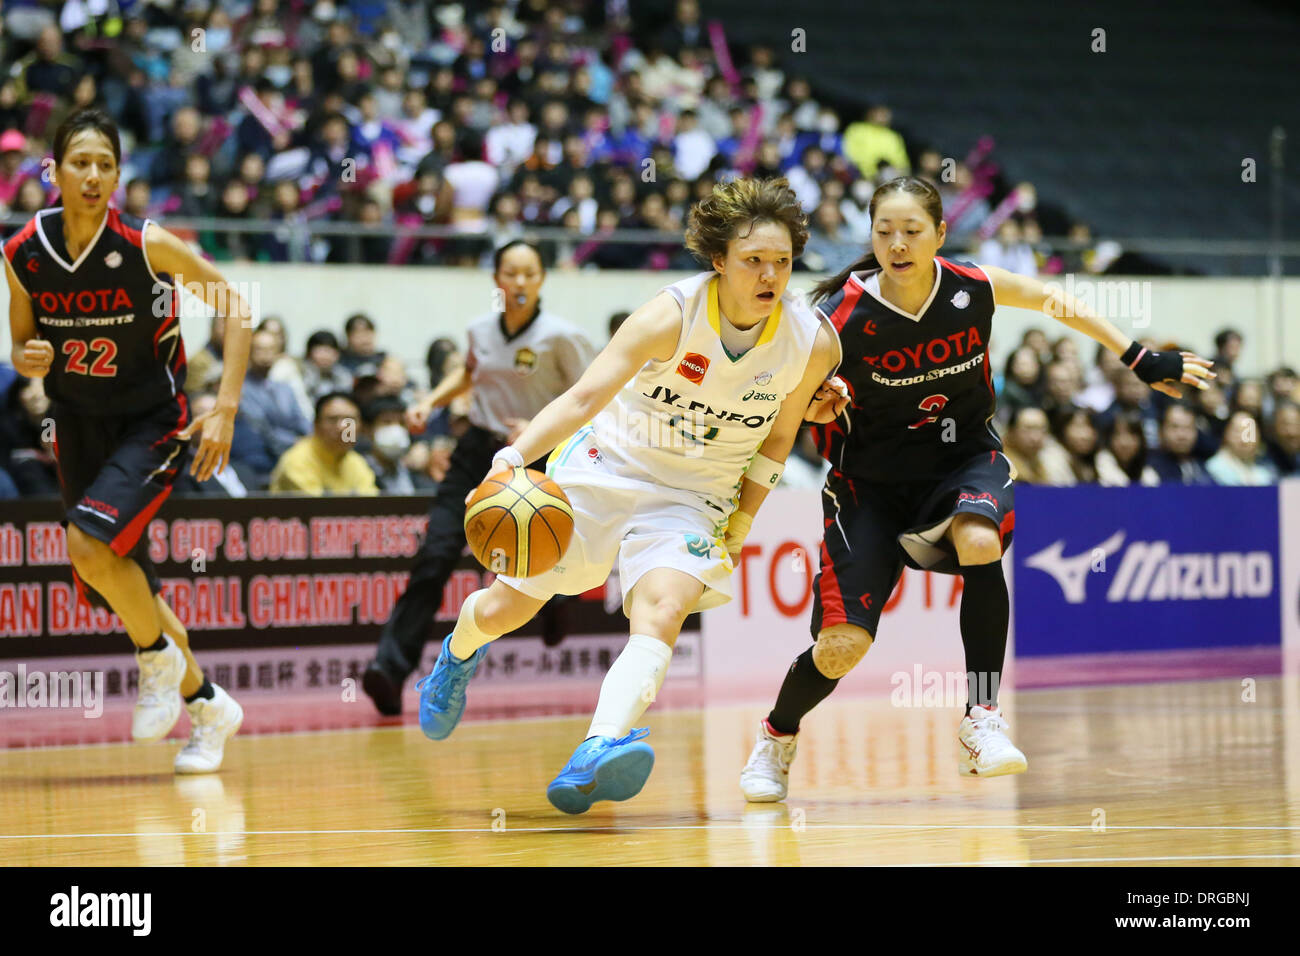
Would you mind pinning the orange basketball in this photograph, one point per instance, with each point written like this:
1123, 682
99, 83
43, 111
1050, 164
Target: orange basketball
518, 523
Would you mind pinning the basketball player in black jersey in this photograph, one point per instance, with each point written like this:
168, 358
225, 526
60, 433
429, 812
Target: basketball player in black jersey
93, 311
918, 476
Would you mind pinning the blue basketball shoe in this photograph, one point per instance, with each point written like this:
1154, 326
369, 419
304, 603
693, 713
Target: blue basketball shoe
603, 768
442, 693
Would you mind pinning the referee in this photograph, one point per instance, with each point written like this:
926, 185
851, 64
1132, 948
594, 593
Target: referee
519, 358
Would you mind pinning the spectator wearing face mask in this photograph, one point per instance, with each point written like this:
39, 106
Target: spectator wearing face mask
386, 446
856, 210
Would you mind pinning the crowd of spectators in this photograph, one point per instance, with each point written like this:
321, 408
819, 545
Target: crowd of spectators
1064, 424
493, 117
486, 117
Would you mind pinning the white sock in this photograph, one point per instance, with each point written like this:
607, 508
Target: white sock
468, 637
631, 686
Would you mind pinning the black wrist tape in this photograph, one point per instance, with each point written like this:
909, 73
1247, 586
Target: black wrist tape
1153, 366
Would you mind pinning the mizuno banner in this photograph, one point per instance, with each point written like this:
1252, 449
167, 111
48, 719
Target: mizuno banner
1120, 569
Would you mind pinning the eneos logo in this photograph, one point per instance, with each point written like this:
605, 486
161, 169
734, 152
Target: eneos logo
692, 367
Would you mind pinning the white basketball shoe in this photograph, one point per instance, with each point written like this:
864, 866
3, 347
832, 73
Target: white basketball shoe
158, 704
766, 777
213, 722
986, 749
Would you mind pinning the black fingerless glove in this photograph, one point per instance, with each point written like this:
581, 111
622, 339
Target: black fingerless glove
1151, 366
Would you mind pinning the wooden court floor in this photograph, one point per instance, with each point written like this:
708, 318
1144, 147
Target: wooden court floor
1164, 774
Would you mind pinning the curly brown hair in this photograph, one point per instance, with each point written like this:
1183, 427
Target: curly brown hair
736, 207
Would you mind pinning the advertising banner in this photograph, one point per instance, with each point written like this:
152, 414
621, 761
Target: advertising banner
1127, 569
288, 583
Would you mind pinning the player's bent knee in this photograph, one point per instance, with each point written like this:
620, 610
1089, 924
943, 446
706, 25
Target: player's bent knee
839, 648
982, 547
668, 612
501, 609
90, 556
977, 541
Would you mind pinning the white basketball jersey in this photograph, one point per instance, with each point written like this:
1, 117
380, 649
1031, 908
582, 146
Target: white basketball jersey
695, 421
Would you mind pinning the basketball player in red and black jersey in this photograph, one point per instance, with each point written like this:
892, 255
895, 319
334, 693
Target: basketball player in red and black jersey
918, 476
93, 311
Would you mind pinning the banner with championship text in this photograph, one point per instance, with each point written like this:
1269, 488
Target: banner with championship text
283, 594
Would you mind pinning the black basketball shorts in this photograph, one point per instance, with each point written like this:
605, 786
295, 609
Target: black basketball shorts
115, 473
873, 529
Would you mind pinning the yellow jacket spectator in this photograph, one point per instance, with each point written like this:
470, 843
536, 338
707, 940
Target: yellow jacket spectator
869, 141
326, 462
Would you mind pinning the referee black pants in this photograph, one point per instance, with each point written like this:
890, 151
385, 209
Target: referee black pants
409, 627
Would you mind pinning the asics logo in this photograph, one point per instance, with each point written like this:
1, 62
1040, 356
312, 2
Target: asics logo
1150, 571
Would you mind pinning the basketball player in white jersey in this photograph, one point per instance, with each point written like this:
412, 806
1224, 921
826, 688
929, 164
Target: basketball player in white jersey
667, 446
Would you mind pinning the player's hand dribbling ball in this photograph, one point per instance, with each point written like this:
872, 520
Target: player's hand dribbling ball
518, 523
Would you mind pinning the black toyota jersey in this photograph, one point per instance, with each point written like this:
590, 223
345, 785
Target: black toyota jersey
922, 392
113, 322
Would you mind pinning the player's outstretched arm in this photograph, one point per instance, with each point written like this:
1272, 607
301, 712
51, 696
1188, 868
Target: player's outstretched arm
31, 355
649, 334
167, 253
765, 470
1163, 371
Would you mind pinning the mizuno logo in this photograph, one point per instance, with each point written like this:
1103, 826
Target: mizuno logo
1072, 573
1149, 571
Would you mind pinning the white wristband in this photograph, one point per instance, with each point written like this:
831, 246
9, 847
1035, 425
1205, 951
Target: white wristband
509, 457
764, 471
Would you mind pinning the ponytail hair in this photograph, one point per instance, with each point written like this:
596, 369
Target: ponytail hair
828, 287
924, 193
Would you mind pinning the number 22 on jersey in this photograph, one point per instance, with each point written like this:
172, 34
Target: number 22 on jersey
102, 366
